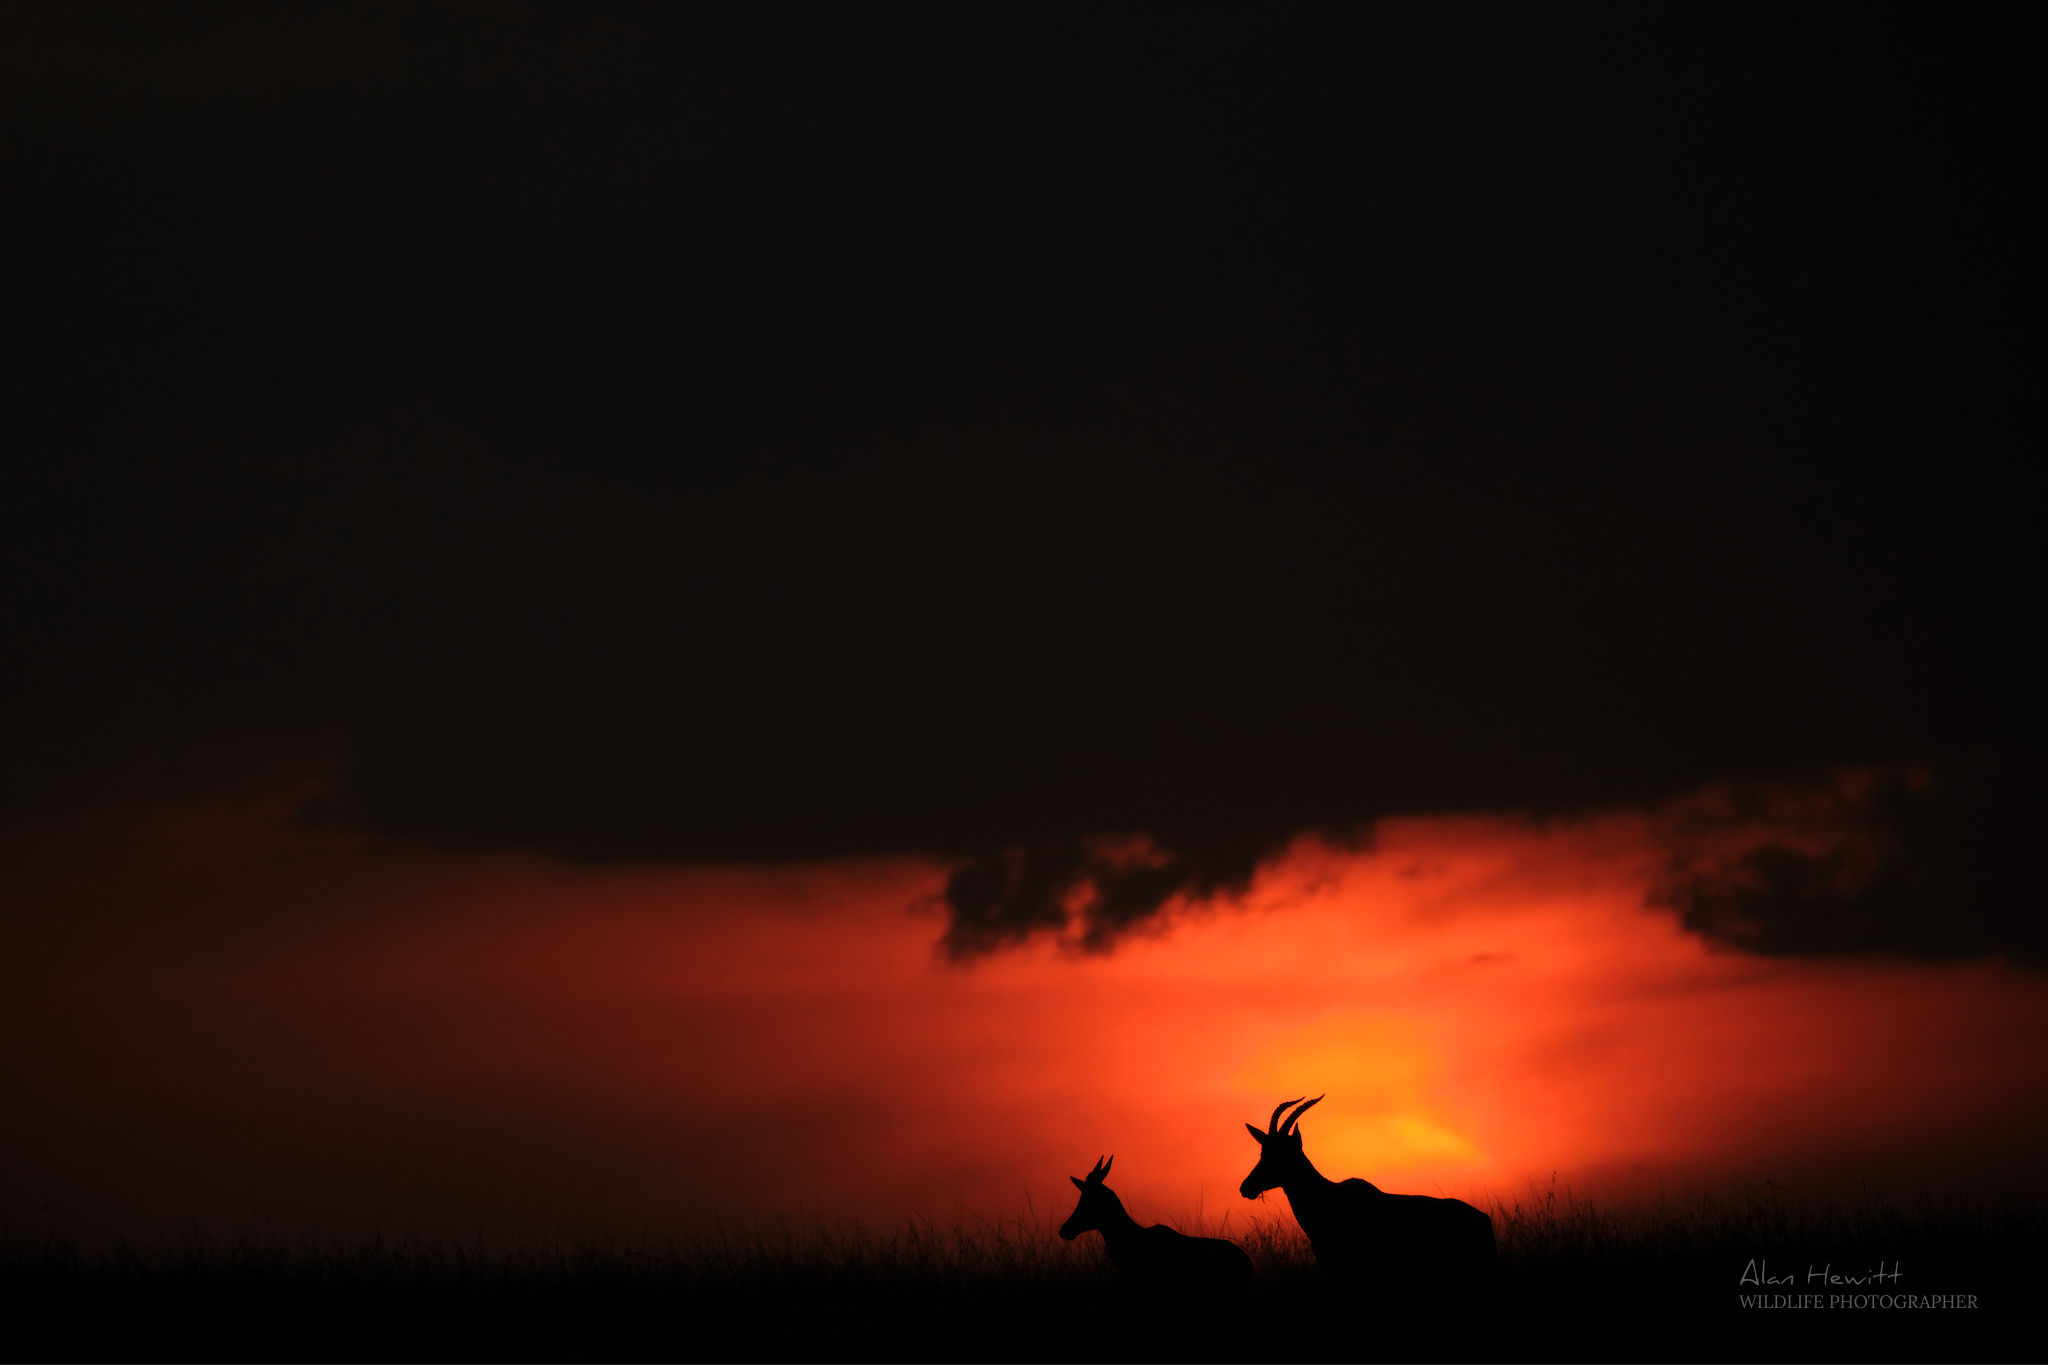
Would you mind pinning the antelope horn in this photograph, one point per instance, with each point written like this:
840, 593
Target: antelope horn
1276, 1113
1295, 1117
1101, 1169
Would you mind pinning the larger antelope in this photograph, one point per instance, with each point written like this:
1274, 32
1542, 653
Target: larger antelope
1358, 1231
1154, 1257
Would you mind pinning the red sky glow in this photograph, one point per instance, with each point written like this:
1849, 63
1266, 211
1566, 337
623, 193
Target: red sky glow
226, 1020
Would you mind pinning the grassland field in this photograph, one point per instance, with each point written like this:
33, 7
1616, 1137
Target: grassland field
1653, 1280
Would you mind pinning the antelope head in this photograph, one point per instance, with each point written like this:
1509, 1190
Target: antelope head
1095, 1202
1280, 1157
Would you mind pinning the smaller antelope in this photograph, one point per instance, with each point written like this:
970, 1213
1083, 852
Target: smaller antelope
1156, 1257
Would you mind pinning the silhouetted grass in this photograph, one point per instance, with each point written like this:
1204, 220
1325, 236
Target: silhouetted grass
1578, 1279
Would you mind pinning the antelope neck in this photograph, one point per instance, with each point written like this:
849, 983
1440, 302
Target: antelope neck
1116, 1224
1306, 1189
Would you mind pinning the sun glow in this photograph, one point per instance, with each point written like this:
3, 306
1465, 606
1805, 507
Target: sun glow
1482, 1002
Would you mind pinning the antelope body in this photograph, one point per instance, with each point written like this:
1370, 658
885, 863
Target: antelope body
1155, 1257
1360, 1232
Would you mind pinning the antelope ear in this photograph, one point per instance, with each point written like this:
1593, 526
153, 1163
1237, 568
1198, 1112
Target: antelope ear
1079, 1183
1257, 1136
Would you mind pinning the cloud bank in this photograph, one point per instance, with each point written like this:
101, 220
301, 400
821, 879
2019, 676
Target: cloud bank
1927, 861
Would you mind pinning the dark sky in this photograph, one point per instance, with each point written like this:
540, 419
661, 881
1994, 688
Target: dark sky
970, 430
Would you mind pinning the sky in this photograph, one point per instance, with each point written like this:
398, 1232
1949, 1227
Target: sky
320, 1031
603, 615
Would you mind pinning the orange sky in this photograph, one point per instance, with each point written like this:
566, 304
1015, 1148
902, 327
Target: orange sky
220, 1019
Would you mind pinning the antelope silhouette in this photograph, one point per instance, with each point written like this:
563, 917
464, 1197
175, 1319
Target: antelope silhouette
1155, 1257
1360, 1232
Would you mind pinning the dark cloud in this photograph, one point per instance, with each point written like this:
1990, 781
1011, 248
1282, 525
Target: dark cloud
1932, 862
1091, 892
1002, 899
936, 430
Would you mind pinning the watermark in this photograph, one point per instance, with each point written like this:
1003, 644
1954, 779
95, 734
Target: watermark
1828, 1285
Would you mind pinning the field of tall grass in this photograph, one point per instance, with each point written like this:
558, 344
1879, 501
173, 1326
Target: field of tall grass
1579, 1279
